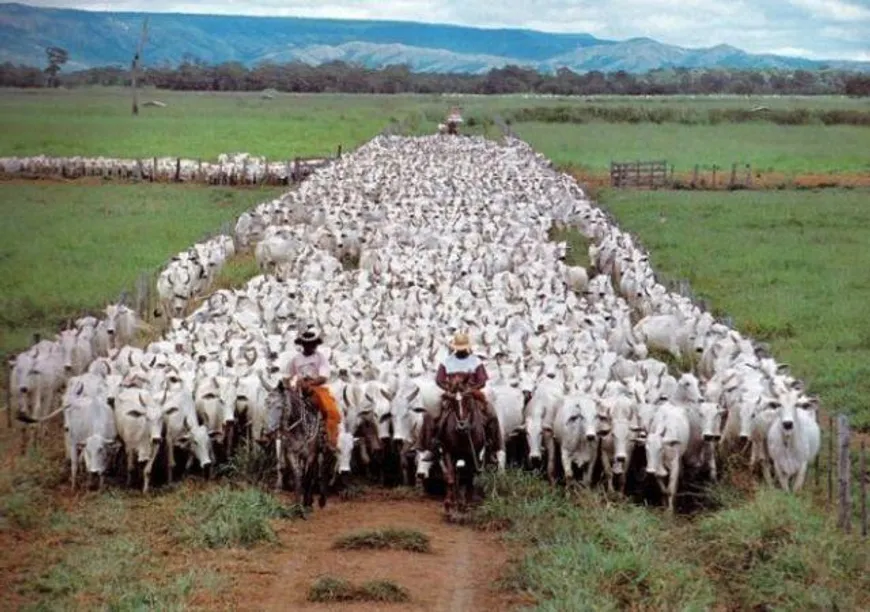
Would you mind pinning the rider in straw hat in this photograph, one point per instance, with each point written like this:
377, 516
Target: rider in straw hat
311, 369
464, 369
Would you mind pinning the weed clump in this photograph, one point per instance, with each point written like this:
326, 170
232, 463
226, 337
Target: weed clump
224, 517
385, 539
332, 589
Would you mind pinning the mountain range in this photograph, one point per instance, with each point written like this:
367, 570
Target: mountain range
110, 38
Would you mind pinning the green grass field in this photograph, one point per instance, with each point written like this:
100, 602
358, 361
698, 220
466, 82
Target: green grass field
67, 248
766, 147
585, 552
97, 121
788, 267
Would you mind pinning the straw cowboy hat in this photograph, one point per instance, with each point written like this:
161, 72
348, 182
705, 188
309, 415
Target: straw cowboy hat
460, 342
309, 336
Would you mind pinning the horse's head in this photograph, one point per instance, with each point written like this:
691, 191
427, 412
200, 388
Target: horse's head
462, 404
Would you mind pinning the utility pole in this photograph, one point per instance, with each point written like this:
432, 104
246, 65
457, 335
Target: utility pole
134, 69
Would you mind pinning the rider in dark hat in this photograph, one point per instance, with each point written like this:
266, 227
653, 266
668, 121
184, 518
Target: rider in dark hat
311, 370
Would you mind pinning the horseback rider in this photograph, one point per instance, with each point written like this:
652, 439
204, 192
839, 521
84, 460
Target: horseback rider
311, 369
463, 370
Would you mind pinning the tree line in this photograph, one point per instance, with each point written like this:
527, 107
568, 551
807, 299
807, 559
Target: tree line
343, 77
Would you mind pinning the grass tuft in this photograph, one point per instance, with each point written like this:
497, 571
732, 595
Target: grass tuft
383, 590
224, 517
385, 539
330, 589
327, 589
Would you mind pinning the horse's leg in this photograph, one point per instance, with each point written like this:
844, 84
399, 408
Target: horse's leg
450, 480
293, 460
469, 490
325, 468
279, 455
308, 467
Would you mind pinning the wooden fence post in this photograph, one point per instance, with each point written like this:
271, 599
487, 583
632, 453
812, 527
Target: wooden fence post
748, 176
863, 486
844, 468
264, 176
715, 167
733, 175
338, 154
178, 170
830, 462
637, 174
153, 169
199, 177
287, 171
695, 176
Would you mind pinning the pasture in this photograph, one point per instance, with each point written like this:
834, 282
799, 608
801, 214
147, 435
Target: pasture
789, 150
74, 247
787, 267
784, 266
97, 121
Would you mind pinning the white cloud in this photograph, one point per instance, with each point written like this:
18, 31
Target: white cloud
835, 10
826, 29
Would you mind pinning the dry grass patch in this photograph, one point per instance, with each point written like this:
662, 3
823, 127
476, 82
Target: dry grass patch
385, 539
328, 589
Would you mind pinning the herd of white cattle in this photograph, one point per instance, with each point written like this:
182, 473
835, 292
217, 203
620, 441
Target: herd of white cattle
445, 234
236, 168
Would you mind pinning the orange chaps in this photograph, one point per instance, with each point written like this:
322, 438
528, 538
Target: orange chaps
329, 409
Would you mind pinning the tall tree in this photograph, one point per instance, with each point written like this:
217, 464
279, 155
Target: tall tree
57, 57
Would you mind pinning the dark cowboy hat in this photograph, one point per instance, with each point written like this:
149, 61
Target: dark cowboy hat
309, 336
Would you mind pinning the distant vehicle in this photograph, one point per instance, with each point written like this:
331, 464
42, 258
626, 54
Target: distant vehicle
451, 123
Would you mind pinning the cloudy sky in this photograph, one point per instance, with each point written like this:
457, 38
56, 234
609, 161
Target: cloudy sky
818, 29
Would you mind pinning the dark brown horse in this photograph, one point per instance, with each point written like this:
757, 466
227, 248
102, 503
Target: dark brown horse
299, 435
462, 435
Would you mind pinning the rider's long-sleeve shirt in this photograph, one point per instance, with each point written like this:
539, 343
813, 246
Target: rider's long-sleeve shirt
473, 371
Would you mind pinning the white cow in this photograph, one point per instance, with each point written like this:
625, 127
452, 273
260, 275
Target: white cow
666, 442
793, 441
139, 420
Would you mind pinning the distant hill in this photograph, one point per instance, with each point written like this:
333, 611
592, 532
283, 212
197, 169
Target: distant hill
103, 39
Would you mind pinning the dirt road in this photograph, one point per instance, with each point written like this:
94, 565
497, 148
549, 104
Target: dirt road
458, 575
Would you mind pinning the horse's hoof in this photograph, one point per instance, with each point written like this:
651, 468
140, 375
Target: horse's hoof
321, 502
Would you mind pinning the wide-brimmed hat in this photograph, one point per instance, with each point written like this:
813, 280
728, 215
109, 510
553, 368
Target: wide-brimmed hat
309, 336
460, 342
